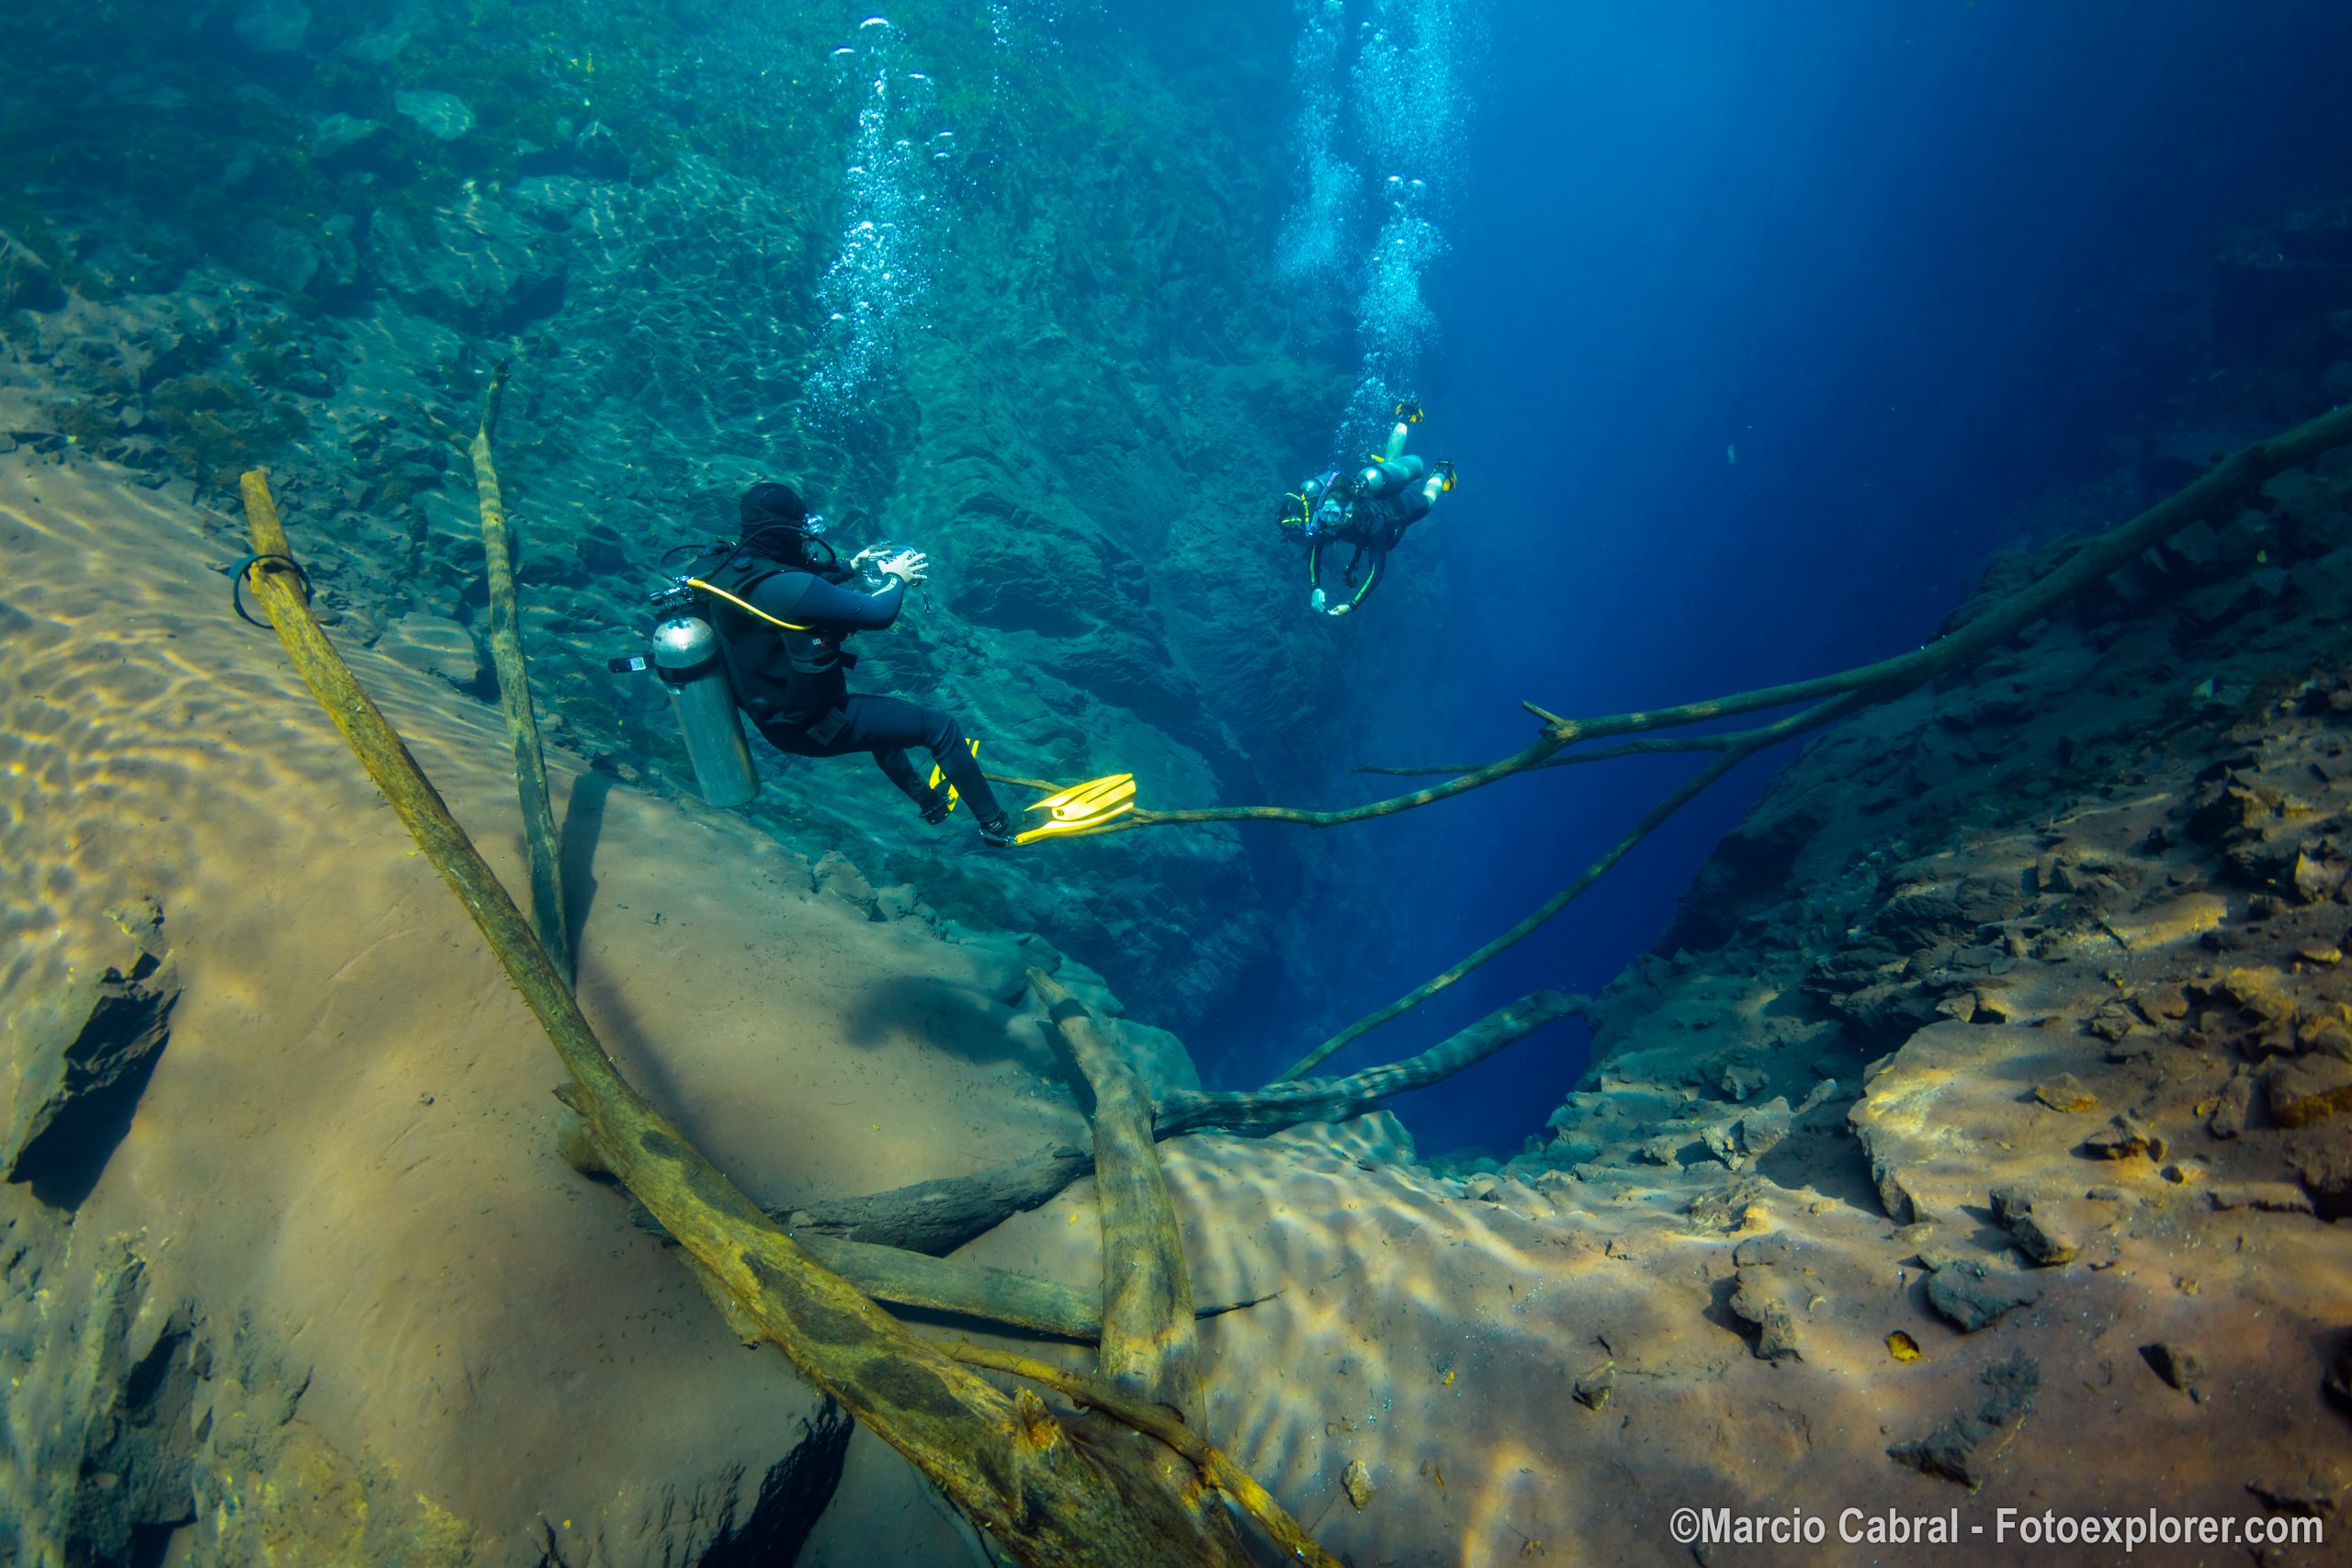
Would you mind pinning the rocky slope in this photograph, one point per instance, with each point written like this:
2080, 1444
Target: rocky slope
291, 1269
1976, 1147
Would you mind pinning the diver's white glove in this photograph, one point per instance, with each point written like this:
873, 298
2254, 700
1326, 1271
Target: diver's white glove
1341, 609
1316, 601
908, 567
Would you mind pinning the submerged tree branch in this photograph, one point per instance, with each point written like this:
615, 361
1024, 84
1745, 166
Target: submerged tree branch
1147, 1345
1050, 1493
515, 691
1738, 749
1650, 746
2228, 484
1158, 1421
942, 1214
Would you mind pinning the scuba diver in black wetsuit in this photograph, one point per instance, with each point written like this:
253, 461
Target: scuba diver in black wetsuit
781, 611
1370, 510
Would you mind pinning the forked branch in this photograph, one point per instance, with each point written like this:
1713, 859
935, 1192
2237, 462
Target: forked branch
1051, 1494
2226, 486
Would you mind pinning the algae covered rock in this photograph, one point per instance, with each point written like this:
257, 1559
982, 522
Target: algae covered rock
445, 117
475, 266
26, 281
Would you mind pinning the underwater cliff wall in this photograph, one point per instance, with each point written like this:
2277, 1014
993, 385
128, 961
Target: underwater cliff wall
988, 280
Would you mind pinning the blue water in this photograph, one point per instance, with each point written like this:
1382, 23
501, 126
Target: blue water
1759, 328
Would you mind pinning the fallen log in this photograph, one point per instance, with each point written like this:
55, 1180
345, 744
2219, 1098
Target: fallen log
945, 1214
515, 691
1147, 1345
1052, 1493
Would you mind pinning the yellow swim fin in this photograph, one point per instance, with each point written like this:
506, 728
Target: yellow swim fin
1081, 807
937, 773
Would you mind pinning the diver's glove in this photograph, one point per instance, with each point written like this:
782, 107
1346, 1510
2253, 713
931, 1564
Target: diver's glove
1316, 602
1341, 609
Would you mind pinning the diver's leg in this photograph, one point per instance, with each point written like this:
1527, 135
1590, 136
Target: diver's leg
885, 726
899, 768
890, 726
944, 739
1396, 440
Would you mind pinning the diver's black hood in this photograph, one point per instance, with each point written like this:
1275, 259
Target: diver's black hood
771, 502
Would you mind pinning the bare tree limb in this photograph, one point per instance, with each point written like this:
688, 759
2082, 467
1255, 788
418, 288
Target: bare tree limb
514, 691
1148, 1343
1746, 745
1055, 1494
2228, 484
940, 1216
1158, 1421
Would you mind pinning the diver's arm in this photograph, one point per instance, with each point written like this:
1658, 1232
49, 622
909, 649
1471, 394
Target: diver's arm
820, 604
1371, 580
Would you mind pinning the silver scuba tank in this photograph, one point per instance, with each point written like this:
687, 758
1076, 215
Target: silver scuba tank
687, 657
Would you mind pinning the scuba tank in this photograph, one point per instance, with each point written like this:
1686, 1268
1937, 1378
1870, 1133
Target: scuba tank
687, 657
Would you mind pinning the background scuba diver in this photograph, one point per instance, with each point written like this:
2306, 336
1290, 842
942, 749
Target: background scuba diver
1369, 510
781, 613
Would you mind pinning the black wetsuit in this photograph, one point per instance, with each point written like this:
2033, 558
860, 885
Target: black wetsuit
790, 678
1374, 524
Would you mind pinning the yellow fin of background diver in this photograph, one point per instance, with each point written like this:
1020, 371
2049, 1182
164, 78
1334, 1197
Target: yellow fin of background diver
1409, 412
937, 774
1083, 805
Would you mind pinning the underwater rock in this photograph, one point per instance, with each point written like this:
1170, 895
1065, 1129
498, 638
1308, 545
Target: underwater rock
2064, 1092
1963, 1448
279, 255
2122, 1138
838, 876
83, 1055
1749, 866
597, 153
477, 265
2176, 1364
98, 1448
340, 133
2337, 1383
2038, 1235
2301, 1090
1756, 1300
2265, 1197
380, 47
445, 117
26, 281
274, 27
2311, 1495
1750, 1135
1972, 1295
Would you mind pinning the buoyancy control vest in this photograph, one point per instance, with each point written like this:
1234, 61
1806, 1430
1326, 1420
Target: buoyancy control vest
786, 673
